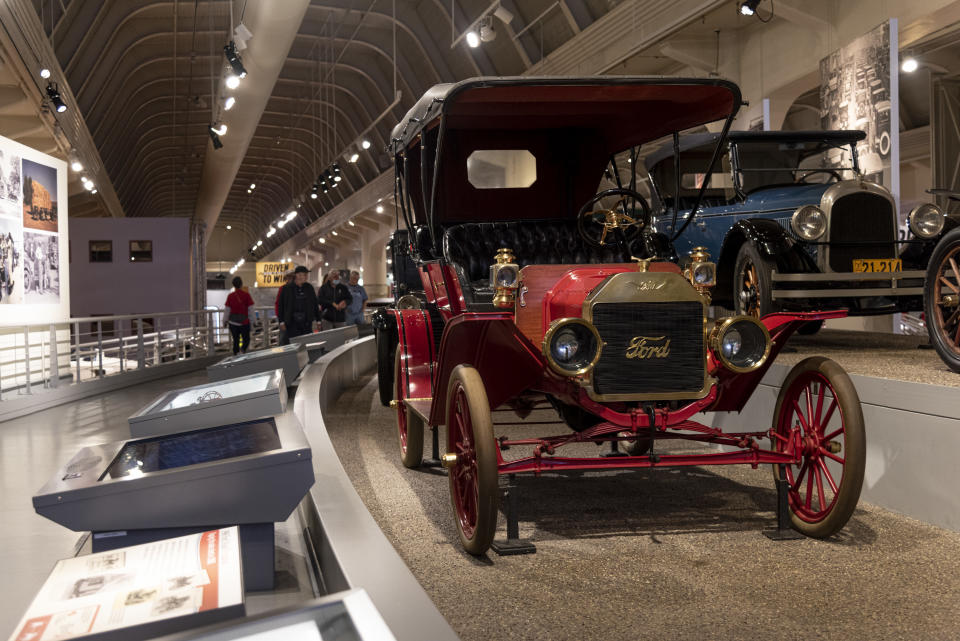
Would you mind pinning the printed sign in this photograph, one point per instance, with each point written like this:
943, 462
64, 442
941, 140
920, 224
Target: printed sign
271, 274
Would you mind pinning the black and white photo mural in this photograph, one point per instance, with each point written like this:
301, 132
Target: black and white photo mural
858, 91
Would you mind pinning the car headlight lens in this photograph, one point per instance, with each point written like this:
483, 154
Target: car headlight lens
704, 274
926, 221
571, 346
742, 343
507, 276
809, 222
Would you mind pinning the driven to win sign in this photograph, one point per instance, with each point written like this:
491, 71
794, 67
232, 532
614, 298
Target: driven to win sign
271, 274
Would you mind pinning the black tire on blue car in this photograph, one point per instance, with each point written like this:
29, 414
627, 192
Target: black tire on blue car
752, 282
941, 299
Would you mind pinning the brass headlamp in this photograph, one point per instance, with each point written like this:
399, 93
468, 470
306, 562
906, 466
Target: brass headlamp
701, 272
504, 278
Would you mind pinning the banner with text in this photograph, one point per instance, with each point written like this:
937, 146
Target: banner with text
271, 274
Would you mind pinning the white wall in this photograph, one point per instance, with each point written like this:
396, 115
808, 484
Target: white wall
122, 286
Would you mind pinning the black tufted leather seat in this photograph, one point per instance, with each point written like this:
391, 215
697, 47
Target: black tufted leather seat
470, 248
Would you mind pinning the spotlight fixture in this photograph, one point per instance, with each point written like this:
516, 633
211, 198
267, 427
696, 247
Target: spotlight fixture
291, 215
88, 186
748, 7
229, 227
232, 81
44, 73
909, 64
271, 231
281, 223
336, 179
229, 103
214, 138
54, 95
249, 191
236, 63
336, 168
334, 232
259, 242
254, 248
241, 262
313, 195
365, 144
473, 39
219, 128
379, 209
323, 241
354, 157
487, 32
93, 191
76, 166
253, 185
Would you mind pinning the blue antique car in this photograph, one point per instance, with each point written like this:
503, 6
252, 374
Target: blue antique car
793, 224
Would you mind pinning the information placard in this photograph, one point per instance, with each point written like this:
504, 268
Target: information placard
140, 591
271, 274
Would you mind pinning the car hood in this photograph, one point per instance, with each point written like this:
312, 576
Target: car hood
786, 196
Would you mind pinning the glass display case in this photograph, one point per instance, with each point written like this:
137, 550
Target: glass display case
212, 404
290, 358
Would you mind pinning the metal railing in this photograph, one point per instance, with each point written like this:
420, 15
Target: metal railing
86, 349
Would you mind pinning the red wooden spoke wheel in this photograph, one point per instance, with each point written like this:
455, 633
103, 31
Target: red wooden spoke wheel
818, 420
942, 299
473, 477
409, 425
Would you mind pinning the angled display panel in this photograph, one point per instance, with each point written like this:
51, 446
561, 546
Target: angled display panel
212, 404
343, 616
290, 358
252, 472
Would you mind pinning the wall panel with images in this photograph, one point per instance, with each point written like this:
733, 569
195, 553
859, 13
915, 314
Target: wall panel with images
34, 283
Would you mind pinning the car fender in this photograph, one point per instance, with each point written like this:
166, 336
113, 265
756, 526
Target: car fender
771, 240
508, 363
415, 342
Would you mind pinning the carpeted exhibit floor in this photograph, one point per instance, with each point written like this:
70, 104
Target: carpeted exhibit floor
650, 554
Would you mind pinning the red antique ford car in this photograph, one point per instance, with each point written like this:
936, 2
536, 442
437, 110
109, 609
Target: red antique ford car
542, 281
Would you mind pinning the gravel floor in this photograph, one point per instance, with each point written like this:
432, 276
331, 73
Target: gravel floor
891, 356
651, 554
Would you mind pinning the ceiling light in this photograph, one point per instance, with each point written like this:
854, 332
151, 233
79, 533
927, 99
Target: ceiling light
88, 186
44, 73
228, 103
76, 166
54, 95
379, 209
365, 144
259, 242
323, 241
236, 63
334, 232
473, 39
292, 215
253, 248
253, 185
748, 7
84, 180
281, 223
214, 138
910, 64
271, 231
241, 262
229, 227
351, 223
93, 191
232, 81
503, 14
313, 195
325, 264
336, 179
249, 191
487, 32
219, 128
354, 157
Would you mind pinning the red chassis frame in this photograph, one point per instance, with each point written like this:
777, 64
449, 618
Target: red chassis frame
489, 340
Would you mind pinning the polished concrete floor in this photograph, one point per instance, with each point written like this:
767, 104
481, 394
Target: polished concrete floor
653, 554
33, 448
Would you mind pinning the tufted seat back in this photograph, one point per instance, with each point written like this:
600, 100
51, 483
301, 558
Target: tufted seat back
472, 246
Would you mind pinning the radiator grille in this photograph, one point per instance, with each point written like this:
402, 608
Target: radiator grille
860, 217
680, 371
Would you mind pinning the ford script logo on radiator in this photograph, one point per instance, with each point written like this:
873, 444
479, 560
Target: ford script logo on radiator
648, 347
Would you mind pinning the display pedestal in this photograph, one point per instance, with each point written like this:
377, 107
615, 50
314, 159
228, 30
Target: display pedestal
513, 544
784, 530
256, 547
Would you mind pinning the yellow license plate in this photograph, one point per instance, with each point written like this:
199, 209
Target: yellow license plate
877, 265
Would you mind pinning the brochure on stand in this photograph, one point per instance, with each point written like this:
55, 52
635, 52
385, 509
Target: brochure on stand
139, 592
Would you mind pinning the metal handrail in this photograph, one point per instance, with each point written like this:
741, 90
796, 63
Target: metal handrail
84, 349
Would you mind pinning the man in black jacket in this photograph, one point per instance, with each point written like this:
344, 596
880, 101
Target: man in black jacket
334, 297
297, 308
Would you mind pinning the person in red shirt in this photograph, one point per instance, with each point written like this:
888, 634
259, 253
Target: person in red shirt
238, 304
